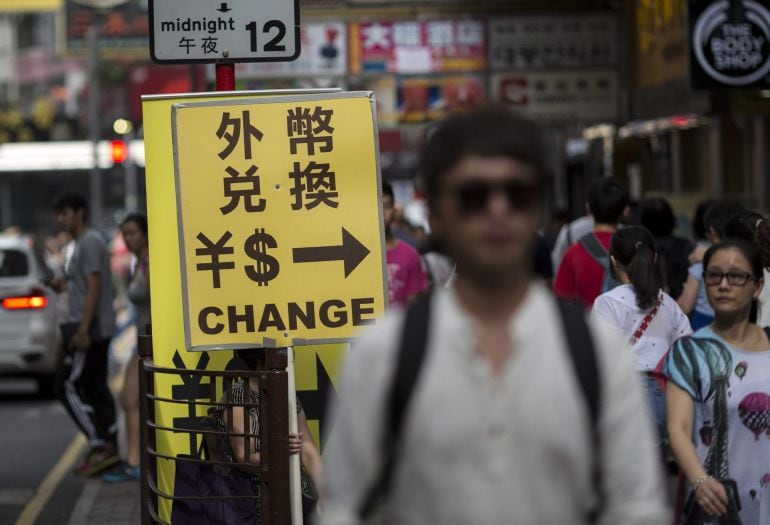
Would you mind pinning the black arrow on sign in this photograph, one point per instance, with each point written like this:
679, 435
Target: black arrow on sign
316, 402
351, 251
223, 7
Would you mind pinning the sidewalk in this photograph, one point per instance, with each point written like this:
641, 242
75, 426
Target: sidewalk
103, 503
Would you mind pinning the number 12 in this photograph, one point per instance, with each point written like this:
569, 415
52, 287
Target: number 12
274, 43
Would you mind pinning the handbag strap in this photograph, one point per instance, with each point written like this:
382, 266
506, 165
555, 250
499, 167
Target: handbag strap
642, 328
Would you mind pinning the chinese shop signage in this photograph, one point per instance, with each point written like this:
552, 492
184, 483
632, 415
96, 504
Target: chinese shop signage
730, 43
526, 43
184, 31
123, 29
324, 53
560, 97
281, 242
433, 46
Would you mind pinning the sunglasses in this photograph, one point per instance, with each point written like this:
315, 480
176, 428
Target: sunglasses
714, 278
473, 196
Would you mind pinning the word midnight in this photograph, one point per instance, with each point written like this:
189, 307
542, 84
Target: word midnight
334, 313
203, 24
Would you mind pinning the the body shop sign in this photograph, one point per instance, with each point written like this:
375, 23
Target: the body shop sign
730, 43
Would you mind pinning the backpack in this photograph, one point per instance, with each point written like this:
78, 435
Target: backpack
411, 355
594, 247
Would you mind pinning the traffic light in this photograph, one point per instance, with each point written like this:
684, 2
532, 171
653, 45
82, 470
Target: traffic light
119, 151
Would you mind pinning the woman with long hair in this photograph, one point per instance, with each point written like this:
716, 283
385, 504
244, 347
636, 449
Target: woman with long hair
718, 394
649, 319
134, 230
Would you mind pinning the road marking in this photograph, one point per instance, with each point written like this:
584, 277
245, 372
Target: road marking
51, 481
85, 503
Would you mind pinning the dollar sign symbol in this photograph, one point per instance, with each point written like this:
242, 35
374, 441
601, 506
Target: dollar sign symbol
267, 266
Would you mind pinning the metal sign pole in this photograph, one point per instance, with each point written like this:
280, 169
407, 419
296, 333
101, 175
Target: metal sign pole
295, 487
225, 77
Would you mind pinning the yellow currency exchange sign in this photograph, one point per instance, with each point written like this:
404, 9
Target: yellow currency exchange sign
278, 200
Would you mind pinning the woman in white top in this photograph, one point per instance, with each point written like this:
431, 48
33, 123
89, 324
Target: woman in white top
649, 319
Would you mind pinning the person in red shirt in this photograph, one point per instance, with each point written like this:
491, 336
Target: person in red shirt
583, 273
406, 278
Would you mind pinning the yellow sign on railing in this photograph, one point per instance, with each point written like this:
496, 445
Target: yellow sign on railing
281, 239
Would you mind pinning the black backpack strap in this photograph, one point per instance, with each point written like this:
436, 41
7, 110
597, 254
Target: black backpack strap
411, 354
582, 352
591, 243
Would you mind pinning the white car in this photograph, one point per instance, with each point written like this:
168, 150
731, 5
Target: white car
30, 339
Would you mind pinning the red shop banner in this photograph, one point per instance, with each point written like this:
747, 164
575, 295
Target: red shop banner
428, 46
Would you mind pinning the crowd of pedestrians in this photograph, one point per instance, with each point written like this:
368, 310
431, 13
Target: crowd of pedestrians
506, 385
692, 313
484, 401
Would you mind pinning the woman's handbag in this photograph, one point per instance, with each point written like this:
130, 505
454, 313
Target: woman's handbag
212, 496
695, 515
213, 493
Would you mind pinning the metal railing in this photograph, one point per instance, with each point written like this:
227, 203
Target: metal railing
272, 473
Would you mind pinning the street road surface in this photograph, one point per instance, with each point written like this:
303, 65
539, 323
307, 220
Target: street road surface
35, 435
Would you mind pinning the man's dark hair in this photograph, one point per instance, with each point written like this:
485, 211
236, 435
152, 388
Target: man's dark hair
72, 200
485, 132
137, 218
387, 191
718, 215
607, 199
656, 215
698, 228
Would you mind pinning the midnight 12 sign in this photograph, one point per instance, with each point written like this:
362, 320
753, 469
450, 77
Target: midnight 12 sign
184, 31
281, 242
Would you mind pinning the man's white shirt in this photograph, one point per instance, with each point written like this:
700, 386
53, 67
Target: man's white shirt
510, 448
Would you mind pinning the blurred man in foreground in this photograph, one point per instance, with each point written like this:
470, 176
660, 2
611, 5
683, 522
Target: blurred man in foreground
519, 412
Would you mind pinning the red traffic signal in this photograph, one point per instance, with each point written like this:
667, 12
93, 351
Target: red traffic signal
119, 151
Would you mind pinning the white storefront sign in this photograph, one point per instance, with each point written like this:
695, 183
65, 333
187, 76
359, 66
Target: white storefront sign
536, 42
183, 31
567, 97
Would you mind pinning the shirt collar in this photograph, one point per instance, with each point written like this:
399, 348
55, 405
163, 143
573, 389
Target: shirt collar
462, 330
